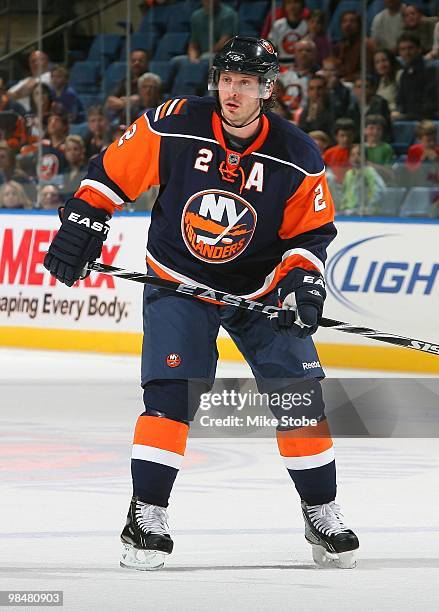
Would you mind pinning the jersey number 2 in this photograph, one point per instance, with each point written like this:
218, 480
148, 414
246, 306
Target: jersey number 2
319, 202
203, 160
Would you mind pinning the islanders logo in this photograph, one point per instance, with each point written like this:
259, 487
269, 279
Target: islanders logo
217, 225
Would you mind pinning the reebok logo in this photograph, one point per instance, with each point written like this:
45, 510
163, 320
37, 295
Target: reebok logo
310, 365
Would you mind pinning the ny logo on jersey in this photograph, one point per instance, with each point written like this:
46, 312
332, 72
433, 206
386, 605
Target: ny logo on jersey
217, 225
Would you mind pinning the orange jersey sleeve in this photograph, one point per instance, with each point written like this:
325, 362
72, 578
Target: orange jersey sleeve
127, 168
309, 207
307, 226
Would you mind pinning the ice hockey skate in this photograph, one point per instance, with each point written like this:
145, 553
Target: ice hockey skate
333, 544
145, 537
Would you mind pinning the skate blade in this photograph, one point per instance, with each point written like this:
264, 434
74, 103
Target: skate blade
324, 558
143, 560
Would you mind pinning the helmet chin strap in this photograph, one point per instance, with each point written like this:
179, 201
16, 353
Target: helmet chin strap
261, 112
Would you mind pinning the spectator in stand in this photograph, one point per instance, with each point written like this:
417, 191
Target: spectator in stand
317, 114
57, 129
12, 195
389, 71
39, 67
116, 102
53, 161
278, 14
225, 25
339, 94
41, 102
337, 157
348, 49
387, 25
66, 96
50, 198
375, 105
374, 187
419, 25
98, 136
149, 86
287, 31
317, 24
434, 53
321, 139
8, 167
427, 150
279, 107
76, 165
417, 97
12, 123
296, 79
7, 102
377, 151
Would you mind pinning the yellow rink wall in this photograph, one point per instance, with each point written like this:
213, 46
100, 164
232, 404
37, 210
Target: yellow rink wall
381, 273
384, 358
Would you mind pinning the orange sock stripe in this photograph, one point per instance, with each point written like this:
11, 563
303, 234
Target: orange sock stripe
304, 441
161, 433
165, 108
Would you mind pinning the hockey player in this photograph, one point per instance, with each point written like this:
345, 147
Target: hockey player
243, 207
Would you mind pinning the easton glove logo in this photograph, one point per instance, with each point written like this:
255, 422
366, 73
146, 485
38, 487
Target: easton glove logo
94, 225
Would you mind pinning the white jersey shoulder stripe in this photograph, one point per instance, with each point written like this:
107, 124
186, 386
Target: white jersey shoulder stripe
104, 189
172, 106
190, 136
157, 112
287, 163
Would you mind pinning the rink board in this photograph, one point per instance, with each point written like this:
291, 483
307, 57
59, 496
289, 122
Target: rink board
381, 273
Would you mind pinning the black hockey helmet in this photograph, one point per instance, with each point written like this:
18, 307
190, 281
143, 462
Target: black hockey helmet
252, 56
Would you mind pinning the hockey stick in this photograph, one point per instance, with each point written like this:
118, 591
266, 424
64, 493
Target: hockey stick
240, 302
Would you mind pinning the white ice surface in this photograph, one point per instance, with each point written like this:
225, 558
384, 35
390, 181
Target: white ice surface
66, 428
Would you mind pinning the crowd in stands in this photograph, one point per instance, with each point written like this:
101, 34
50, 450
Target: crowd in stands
52, 122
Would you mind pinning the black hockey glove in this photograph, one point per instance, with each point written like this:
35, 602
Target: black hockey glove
79, 241
302, 293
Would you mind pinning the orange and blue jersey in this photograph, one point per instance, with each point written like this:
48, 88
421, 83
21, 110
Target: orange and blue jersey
223, 219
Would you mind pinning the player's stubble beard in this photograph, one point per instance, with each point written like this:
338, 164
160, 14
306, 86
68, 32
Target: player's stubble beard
244, 120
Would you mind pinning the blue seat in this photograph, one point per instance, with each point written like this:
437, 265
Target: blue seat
253, 13
170, 45
141, 40
89, 100
405, 135
191, 79
106, 45
391, 201
334, 24
79, 129
85, 76
163, 69
113, 75
418, 202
